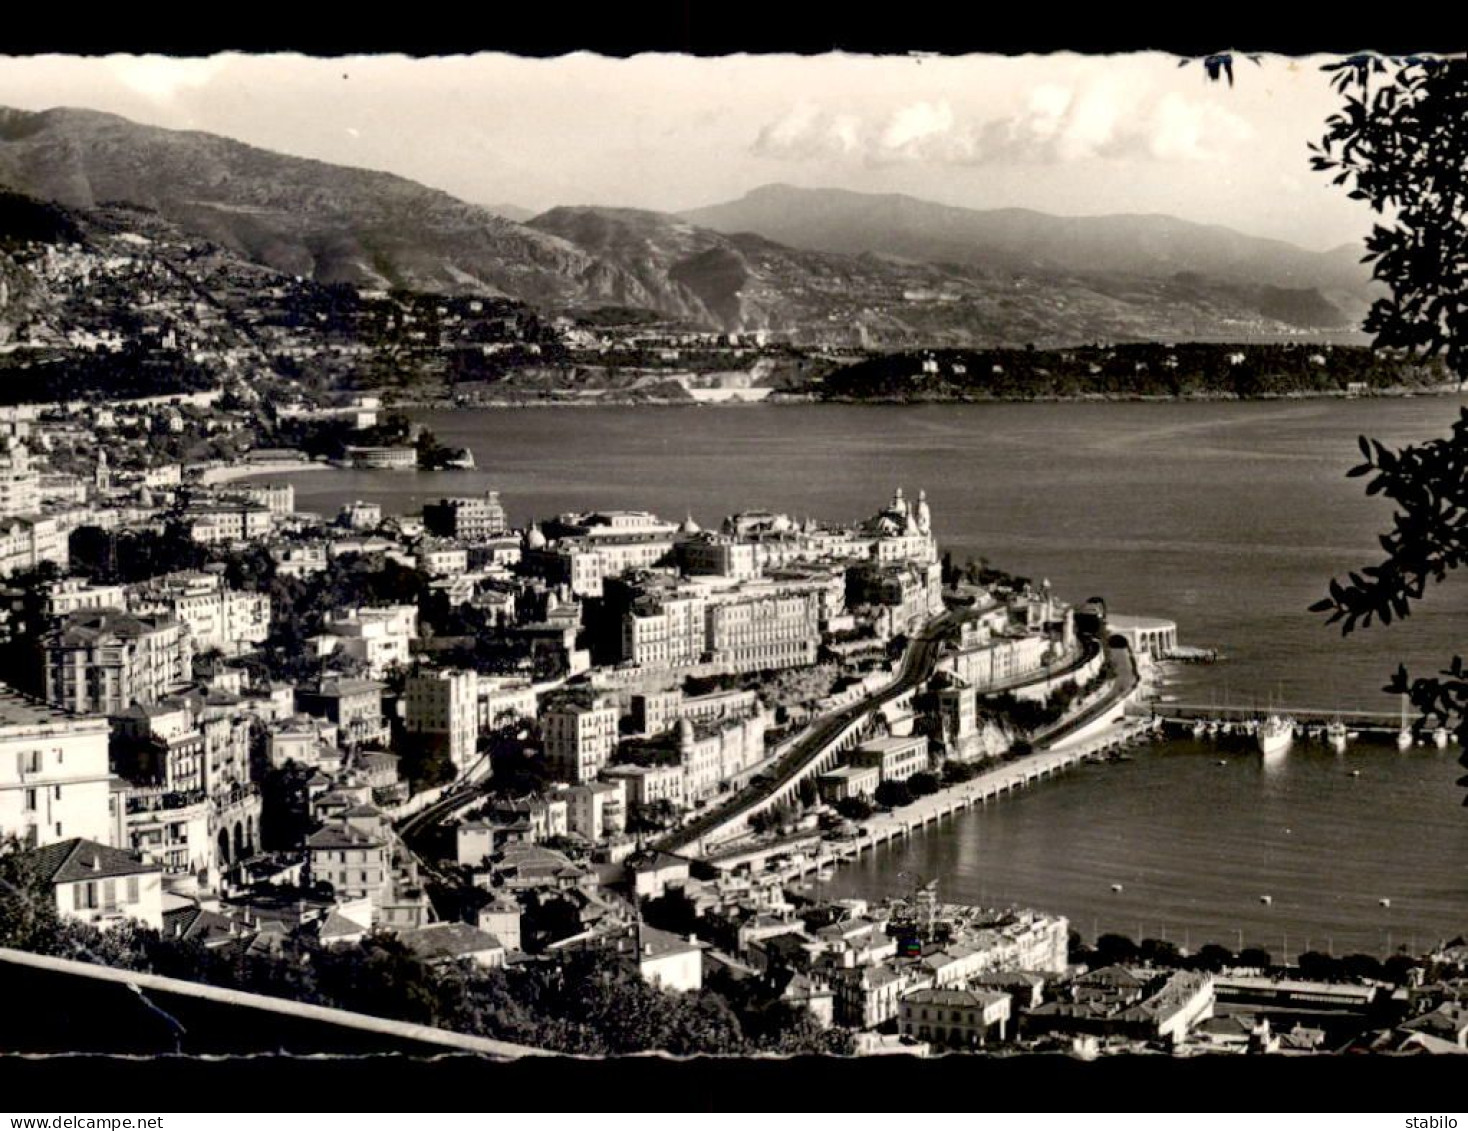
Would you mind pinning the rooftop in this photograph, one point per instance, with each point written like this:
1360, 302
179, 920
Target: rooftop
448, 940
78, 859
19, 709
342, 836
954, 999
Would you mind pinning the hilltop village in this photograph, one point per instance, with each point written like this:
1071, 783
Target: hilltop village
610, 752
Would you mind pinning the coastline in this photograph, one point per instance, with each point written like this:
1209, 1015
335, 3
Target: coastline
440, 404
248, 471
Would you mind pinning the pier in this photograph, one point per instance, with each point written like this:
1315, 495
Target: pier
1177, 717
883, 828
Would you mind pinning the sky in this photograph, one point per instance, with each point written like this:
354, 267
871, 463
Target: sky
1062, 133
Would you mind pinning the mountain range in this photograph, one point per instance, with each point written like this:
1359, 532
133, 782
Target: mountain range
825, 266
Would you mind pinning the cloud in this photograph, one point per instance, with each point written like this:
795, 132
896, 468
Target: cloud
1056, 124
159, 78
1197, 131
809, 131
913, 125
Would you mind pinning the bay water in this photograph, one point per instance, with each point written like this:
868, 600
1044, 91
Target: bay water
1228, 518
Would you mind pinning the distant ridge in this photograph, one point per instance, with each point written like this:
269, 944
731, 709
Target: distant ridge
1021, 239
821, 267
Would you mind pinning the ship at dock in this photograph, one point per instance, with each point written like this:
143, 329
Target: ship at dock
1274, 735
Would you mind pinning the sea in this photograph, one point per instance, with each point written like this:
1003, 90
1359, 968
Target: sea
1228, 518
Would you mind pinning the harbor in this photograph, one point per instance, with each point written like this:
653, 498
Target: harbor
1306, 723
805, 854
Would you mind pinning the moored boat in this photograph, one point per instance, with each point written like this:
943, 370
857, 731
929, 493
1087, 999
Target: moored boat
1275, 735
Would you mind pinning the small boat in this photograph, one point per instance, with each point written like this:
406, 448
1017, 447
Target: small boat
1199, 729
1384, 902
1116, 887
1223, 762
1355, 773
1336, 734
1266, 900
1440, 737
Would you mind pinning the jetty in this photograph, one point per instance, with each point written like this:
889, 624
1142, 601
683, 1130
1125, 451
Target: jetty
1177, 718
802, 854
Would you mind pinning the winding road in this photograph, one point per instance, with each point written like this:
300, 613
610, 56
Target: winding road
918, 663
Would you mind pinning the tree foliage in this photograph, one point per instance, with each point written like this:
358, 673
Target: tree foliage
593, 1002
1400, 142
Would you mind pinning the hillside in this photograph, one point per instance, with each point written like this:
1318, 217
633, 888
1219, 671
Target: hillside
120, 301
819, 268
1020, 240
746, 282
326, 222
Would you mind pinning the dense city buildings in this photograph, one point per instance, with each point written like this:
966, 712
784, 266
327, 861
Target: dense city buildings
545, 712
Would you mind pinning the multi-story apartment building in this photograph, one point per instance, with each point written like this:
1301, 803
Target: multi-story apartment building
719, 555
764, 630
226, 520
101, 661
73, 594
647, 785
468, 518
442, 709
218, 618
896, 757
354, 705
579, 740
28, 540
582, 550
667, 629
379, 637
20, 483
277, 498
740, 627
596, 810
353, 861
54, 772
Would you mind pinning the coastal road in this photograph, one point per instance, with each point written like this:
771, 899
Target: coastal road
917, 666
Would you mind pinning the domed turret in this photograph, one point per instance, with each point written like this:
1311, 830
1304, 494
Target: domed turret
534, 539
899, 504
924, 515
689, 526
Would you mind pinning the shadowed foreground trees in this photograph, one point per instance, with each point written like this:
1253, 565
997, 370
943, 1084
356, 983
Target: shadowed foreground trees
592, 1002
1400, 142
